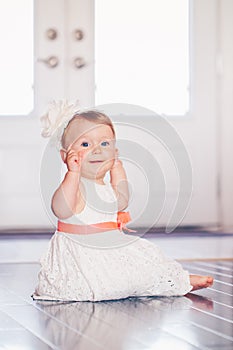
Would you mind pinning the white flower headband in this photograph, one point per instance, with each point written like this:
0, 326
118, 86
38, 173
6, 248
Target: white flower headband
56, 120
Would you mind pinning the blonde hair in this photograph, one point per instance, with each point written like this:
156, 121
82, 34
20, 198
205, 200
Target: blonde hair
91, 116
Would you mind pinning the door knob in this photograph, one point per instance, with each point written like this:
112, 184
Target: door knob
51, 62
79, 62
51, 33
78, 34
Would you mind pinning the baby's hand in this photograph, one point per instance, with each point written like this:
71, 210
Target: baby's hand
117, 164
74, 160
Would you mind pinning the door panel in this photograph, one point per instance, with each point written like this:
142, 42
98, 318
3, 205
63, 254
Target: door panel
198, 127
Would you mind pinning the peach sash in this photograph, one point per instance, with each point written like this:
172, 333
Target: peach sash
122, 219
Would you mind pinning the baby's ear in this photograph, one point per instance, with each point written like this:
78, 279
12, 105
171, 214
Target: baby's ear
63, 155
116, 153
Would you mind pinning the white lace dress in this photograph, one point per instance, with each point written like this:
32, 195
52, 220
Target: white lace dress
107, 265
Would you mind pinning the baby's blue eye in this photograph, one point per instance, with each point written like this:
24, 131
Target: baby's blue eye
105, 143
85, 144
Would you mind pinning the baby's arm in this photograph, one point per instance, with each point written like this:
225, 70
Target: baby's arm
68, 195
119, 183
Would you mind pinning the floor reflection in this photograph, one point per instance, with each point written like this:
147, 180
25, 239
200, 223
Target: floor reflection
116, 323
201, 302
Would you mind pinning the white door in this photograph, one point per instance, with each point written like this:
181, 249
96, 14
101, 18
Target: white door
128, 46
20, 141
67, 63
39, 63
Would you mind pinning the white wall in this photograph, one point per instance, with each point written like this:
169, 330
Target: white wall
226, 112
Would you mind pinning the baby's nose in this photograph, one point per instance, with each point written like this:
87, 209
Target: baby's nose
96, 149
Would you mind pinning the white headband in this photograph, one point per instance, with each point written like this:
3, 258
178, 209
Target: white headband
56, 120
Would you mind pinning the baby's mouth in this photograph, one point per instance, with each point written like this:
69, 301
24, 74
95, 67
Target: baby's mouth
95, 161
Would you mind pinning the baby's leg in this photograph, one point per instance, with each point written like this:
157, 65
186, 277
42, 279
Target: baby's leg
199, 282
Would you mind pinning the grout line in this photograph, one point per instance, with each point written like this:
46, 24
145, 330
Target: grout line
221, 292
212, 331
212, 315
32, 332
189, 341
224, 283
163, 329
20, 262
206, 259
218, 302
206, 270
66, 325
18, 329
31, 303
214, 266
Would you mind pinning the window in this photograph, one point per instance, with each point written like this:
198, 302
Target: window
142, 54
16, 61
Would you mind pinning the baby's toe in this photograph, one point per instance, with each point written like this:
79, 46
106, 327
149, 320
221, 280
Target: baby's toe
210, 280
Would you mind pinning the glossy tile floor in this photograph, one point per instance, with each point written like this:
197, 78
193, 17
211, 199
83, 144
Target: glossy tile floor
200, 320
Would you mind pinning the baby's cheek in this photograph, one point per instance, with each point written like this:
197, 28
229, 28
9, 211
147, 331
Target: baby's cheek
83, 153
112, 154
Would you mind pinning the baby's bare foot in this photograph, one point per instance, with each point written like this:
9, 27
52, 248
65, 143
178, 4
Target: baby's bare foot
199, 282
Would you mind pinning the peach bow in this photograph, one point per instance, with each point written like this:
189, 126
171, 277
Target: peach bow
122, 219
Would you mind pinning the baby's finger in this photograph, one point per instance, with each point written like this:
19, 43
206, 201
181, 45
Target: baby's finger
69, 148
71, 153
72, 158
